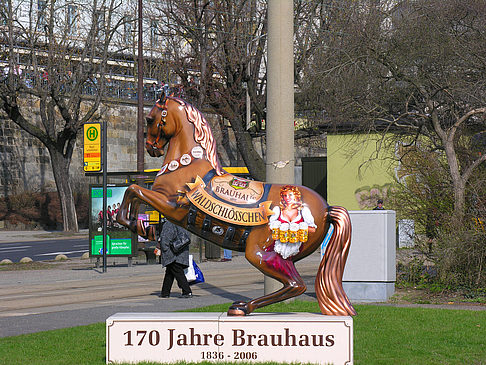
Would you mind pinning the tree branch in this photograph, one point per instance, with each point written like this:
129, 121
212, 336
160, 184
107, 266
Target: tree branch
468, 172
16, 116
461, 120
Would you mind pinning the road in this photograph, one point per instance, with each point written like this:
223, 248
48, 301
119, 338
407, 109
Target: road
43, 250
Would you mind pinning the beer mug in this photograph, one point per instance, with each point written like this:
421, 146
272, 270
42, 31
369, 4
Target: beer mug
284, 233
274, 226
303, 232
294, 233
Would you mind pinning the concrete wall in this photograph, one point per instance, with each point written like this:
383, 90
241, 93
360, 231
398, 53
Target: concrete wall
354, 182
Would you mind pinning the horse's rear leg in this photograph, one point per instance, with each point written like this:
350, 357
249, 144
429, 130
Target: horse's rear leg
273, 265
128, 207
137, 225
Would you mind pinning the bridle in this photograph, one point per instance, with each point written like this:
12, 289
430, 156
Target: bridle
160, 125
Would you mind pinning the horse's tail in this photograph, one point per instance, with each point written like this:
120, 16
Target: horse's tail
329, 288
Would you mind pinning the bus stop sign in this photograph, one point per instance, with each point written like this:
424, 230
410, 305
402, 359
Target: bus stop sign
92, 147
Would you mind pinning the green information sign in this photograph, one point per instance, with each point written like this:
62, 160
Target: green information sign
114, 246
97, 245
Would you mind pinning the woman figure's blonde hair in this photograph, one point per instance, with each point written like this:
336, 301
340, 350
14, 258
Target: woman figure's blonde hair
290, 189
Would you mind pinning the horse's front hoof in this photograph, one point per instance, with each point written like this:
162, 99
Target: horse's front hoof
238, 303
151, 235
141, 229
235, 311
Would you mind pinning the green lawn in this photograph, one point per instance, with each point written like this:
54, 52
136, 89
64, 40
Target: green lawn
382, 335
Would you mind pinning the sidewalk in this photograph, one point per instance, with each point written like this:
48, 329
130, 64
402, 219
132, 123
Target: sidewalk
22, 236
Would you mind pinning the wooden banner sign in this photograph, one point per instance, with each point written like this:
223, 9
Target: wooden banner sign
237, 190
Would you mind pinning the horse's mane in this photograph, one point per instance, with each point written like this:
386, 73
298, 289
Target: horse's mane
202, 134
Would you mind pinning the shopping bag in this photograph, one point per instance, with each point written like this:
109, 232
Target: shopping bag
193, 273
199, 274
189, 271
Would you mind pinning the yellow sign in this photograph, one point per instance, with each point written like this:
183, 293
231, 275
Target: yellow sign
227, 212
92, 147
154, 215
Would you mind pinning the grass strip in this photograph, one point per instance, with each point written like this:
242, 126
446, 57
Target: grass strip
382, 335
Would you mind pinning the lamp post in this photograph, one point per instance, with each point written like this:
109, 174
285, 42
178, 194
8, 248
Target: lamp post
140, 125
280, 100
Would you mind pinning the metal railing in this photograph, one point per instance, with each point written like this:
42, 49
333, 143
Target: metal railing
116, 86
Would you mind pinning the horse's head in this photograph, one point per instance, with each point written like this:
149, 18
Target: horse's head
160, 128
173, 117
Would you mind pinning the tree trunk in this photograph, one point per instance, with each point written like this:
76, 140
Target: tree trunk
458, 182
459, 202
60, 168
250, 156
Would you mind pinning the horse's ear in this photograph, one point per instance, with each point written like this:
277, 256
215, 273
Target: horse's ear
161, 97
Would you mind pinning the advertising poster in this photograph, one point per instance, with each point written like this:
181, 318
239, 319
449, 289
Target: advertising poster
119, 238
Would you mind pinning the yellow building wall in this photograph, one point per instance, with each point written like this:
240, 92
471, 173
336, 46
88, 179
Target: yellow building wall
352, 181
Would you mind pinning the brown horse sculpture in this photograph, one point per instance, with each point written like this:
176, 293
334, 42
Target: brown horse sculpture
275, 225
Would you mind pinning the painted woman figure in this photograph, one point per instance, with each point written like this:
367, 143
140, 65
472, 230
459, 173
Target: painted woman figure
291, 222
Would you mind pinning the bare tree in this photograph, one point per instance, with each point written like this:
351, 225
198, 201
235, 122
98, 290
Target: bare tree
62, 49
224, 49
415, 68
223, 44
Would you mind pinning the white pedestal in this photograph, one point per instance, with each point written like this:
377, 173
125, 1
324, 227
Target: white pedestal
195, 337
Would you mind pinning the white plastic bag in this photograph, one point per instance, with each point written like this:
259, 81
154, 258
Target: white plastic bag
189, 272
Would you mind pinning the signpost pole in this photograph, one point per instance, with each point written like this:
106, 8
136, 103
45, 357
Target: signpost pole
105, 168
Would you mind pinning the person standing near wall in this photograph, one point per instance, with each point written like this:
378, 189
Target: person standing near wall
379, 205
227, 255
173, 243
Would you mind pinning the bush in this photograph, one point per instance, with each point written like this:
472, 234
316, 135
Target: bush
424, 193
460, 257
31, 210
